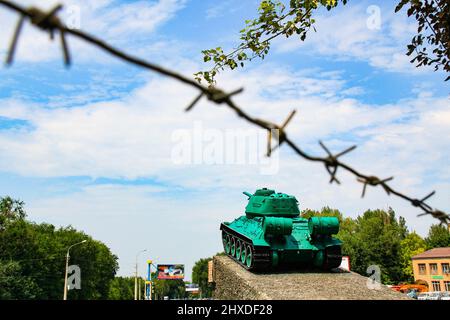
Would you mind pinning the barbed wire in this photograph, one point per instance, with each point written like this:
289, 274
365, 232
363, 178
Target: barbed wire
50, 22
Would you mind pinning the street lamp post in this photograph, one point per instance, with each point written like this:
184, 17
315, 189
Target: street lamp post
67, 267
136, 275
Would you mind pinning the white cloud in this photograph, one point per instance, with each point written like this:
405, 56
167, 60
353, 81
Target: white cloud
118, 138
131, 137
219, 9
344, 34
116, 23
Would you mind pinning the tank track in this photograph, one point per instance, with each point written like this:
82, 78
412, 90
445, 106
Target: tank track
260, 257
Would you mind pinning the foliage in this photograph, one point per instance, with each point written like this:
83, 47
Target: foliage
172, 288
200, 276
122, 288
376, 240
325, 212
15, 286
438, 237
38, 252
10, 210
433, 33
412, 245
275, 20
371, 239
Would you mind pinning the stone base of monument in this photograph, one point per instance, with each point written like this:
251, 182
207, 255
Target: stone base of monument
234, 282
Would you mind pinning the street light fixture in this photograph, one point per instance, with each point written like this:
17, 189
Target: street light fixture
136, 275
67, 267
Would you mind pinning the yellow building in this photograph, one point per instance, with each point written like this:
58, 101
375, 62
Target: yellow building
432, 268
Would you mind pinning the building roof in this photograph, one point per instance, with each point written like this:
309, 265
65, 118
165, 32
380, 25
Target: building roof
434, 253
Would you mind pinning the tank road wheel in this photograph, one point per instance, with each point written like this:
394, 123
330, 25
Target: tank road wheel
249, 259
244, 253
226, 243
238, 250
233, 246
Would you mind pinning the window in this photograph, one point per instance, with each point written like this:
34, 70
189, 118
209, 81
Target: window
436, 285
445, 268
433, 268
422, 268
447, 285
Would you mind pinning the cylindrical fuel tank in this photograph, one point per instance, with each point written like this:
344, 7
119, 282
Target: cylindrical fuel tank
277, 226
323, 225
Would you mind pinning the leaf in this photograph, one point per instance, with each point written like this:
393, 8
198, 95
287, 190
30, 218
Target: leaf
401, 5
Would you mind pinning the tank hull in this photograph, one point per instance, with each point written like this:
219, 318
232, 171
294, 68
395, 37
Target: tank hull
258, 243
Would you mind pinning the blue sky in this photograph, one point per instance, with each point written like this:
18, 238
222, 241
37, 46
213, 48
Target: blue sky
93, 146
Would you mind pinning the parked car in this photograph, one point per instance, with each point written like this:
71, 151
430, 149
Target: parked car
436, 295
422, 296
445, 295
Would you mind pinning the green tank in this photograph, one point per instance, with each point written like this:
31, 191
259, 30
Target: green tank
272, 235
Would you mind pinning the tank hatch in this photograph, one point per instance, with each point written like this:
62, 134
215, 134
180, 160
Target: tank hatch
266, 202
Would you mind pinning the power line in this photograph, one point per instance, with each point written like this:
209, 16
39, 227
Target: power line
49, 22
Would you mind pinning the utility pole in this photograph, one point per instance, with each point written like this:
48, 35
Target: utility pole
67, 268
135, 280
136, 276
148, 282
151, 288
139, 280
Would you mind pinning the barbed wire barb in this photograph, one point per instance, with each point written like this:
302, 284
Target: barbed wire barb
66, 53
279, 133
269, 142
194, 102
14, 41
421, 203
374, 181
49, 22
331, 162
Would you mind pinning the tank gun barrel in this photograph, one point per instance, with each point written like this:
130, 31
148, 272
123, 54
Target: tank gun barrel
248, 194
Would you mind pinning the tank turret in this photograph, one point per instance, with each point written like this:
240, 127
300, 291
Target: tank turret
272, 234
266, 202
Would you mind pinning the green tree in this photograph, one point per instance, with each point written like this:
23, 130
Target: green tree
438, 236
325, 212
10, 210
13, 285
296, 18
411, 245
200, 277
172, 288
346, 225
375, 239
40, 249
122, 288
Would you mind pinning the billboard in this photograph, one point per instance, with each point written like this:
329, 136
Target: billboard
170, 271
192, 288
